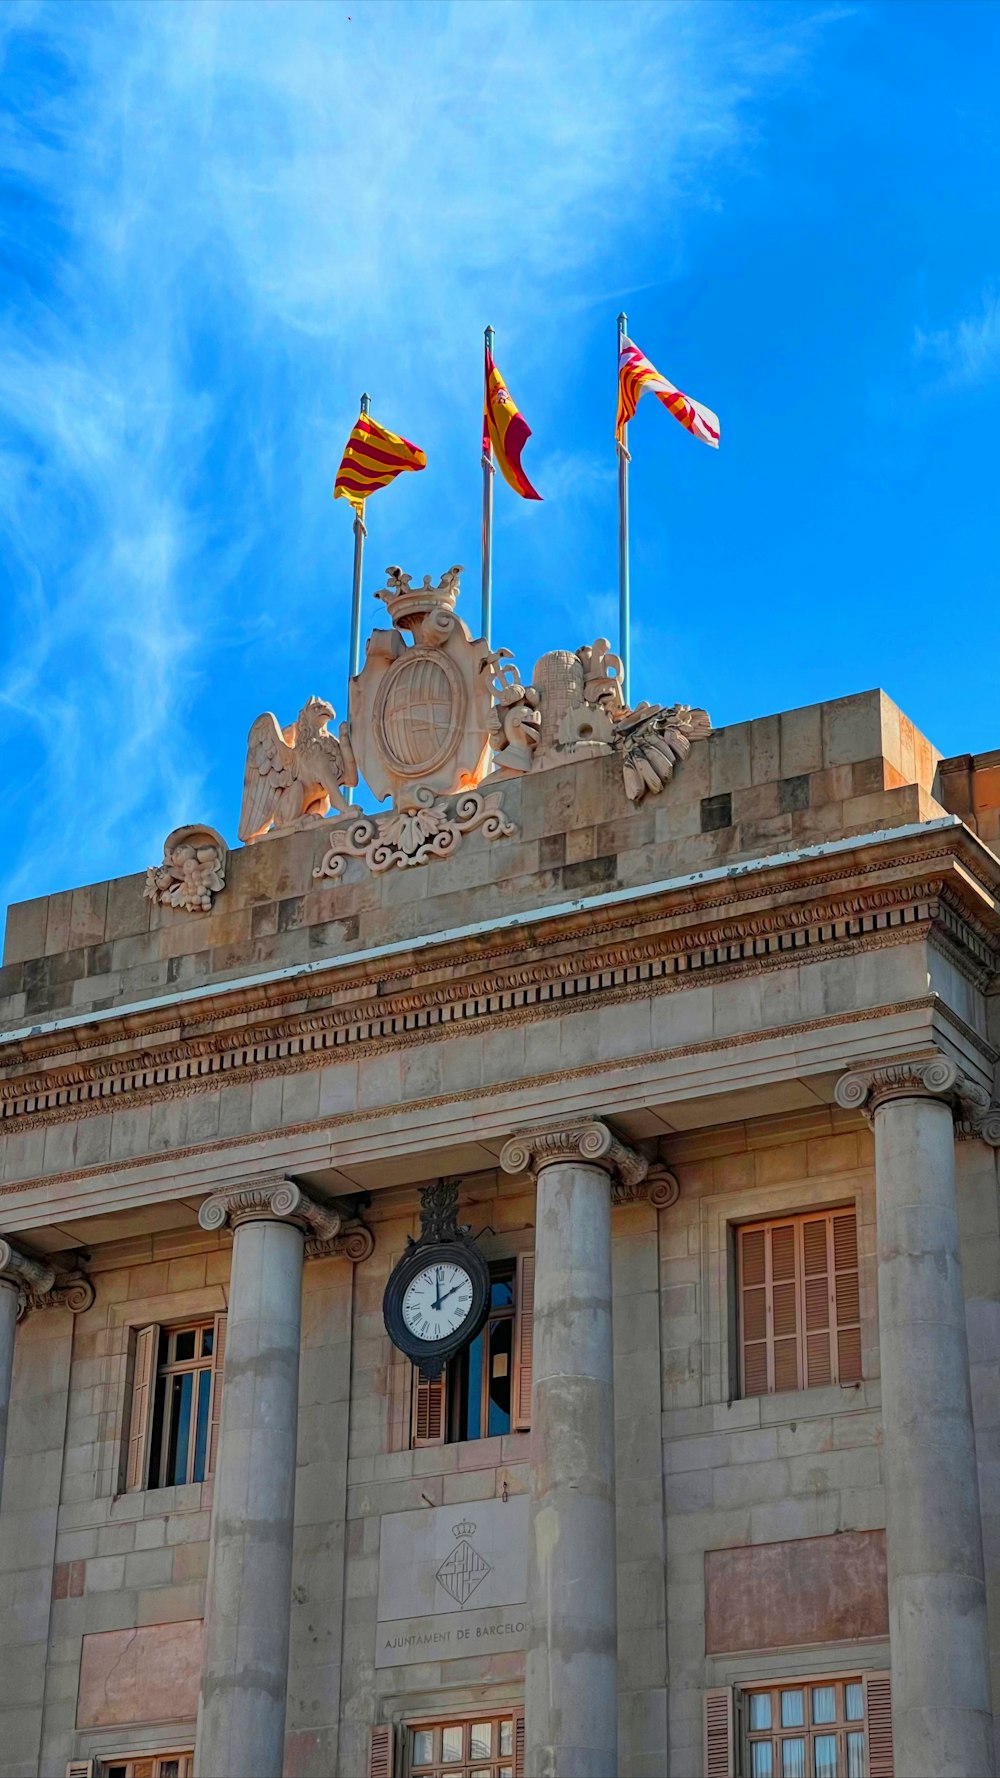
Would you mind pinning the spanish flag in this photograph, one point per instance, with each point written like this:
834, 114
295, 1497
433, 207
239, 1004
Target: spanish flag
636, 375
504, 429
373, 458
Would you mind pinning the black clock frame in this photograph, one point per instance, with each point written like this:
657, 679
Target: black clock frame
432, 1355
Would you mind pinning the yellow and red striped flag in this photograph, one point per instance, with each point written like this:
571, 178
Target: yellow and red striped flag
506, 431
373, 458
636, 375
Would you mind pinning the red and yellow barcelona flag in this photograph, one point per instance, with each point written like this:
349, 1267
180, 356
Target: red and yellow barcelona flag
504, 429
636, 374
373, 458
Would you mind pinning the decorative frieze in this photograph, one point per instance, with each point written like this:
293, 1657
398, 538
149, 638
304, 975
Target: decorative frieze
935, 1077
327, 1232
590, 1143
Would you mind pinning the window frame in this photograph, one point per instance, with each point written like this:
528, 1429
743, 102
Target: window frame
496, 1765
435, 1406
807, 1731
139, 1451
129, 1762
836, 1330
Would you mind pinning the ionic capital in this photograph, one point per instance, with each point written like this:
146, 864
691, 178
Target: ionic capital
865, 1089
272, 1199
589, 1142
39, 1285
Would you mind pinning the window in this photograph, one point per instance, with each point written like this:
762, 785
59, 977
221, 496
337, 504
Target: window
799, 1304
807, 1731
486, 1390
175, 1406
149, 1765
484, 1746
801, 1728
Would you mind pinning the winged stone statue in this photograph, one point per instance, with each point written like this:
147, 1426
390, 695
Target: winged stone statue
296, 773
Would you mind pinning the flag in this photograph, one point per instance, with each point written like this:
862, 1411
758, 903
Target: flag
504, 429
636, 375
373, 458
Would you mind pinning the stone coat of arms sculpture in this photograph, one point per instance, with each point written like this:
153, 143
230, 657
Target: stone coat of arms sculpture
422, 725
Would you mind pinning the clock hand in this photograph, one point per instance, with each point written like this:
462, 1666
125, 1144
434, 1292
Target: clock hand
439, 1299
448, 1293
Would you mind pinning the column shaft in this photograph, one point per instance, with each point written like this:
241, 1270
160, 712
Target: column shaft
937, 1600
241, 1720
571, 1704
8, 1327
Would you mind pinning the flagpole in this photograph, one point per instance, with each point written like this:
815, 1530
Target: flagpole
624, 616
360, 533
488, 473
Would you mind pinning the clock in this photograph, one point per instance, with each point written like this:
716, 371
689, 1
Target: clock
436, 1301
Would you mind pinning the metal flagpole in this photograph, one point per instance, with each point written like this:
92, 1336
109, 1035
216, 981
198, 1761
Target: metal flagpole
624, 639
488, 474
360, 533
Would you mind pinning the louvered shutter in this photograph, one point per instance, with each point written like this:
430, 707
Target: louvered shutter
753, 1311
847, 1300
785, 1306
519, 1743
878, 1725
140, 1409
817, 1301
380, 1761
719, 1732
524, 1315
81, 1768
430, 1401
218, 1368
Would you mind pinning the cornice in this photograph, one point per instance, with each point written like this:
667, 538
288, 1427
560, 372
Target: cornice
655, 958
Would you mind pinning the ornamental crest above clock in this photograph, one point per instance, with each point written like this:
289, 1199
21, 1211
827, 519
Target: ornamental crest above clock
438, 1294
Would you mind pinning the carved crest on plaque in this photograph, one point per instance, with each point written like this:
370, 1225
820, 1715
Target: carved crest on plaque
420, 708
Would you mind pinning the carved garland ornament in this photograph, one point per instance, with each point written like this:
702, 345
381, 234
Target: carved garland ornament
193, 871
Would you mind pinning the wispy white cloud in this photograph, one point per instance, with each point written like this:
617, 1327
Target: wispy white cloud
968, 352
239, 211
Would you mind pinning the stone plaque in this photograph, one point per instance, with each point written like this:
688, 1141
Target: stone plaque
448, 1578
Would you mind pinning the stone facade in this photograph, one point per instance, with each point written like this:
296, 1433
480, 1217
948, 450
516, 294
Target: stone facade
629, 1028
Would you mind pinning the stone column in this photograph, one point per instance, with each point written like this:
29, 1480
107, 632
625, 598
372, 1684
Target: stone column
571, 1679
241, 1715
942, 1723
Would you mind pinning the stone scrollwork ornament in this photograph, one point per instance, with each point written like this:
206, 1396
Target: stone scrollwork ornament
193, 871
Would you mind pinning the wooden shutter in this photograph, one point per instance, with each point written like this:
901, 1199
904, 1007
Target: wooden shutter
380, 1759
524, 1315
430, 1408
215, 1416
878, 1725
719, 1732
769, 1304
141, 1407
817, 1295
519, 1734
754, 1355
847, 1300
81, 1768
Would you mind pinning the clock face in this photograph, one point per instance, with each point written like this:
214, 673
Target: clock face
437, 1301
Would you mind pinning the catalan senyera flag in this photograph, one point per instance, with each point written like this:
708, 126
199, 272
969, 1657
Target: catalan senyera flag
506, 431
373, 458
636, 375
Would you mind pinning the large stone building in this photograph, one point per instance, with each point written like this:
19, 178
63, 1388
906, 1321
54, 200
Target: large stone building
703, 1025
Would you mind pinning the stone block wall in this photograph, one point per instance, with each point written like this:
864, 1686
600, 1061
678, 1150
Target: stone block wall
758, 788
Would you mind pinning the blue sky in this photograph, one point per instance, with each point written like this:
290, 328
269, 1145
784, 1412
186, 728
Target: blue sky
221, 222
